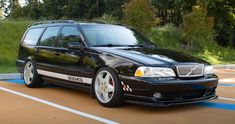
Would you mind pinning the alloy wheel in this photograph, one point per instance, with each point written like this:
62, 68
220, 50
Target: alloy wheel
28, 73
104, 86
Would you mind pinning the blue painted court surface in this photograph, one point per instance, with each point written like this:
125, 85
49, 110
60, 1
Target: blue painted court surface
16, 81
22, 82
227, 85
217, 105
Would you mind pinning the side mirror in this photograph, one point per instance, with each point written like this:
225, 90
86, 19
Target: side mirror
74, 46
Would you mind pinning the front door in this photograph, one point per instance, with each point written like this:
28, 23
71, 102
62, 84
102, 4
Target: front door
69, 64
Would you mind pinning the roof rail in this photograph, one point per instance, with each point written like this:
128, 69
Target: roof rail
53, 21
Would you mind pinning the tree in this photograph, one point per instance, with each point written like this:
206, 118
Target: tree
15, 4
223, 11
197, 28
5, 6
72, 9
114, 8
140, 14
171, 11
31, 11
1, 14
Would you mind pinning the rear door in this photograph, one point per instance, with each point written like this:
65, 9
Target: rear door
27, 46
45, 50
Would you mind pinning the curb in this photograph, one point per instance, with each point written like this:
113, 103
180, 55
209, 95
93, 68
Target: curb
224, 66
10, 76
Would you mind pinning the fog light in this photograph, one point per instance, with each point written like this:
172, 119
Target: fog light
157, 95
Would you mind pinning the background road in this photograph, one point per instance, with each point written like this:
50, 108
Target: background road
54, 104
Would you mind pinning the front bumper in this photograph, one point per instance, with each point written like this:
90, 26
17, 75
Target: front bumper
153, 102
173, 92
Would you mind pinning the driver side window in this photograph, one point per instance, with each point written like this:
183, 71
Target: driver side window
69, 34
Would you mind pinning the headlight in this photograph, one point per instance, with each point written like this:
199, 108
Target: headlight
208, 70
154, 72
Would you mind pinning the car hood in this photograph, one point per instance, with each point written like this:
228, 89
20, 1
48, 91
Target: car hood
151, 56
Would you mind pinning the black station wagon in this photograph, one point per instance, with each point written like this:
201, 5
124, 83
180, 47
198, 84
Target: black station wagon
114, 63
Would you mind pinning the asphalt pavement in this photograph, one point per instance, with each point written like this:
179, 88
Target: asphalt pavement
55, 104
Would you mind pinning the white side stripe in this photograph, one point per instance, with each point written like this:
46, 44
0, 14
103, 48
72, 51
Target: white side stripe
60, 106
65, 77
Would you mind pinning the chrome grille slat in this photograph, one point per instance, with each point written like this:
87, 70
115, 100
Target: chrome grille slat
192, 70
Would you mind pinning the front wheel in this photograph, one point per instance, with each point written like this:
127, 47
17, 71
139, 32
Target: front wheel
107, 88
31, 77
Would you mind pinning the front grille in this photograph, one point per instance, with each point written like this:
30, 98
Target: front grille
193, 70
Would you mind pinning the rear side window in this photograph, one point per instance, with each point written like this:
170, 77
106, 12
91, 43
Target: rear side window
68, 34
49, 36
33, 36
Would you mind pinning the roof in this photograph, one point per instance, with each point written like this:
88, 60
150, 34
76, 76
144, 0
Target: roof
65, 22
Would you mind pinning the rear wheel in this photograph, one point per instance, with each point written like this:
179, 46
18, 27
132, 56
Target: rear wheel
31, 77
107, 88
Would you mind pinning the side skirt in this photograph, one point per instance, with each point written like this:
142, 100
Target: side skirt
70, 81
63, 83
83, 80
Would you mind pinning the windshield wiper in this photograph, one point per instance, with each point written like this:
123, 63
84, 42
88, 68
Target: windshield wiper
141, 45
109, 45
119, 45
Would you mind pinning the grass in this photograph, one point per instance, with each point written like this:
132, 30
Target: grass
10, 35
217, 55
167, 37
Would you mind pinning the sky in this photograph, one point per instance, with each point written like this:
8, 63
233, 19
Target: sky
22, 2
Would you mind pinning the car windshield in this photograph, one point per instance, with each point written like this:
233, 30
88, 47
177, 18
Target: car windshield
113, 36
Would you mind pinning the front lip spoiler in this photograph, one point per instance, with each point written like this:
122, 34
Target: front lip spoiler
174, 102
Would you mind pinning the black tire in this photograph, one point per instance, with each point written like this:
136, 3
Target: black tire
118, 98
35, 81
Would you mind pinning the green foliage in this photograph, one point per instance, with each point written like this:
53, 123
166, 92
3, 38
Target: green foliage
169, 36
166, 36
140, 14
216, 54
5, 6
106, 19
10, 35
114, 8
31, 11
171, 11
197, 28
225, 29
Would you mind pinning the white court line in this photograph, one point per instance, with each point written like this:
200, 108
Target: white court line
230, 73
227, 80
60, 106
224, 98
